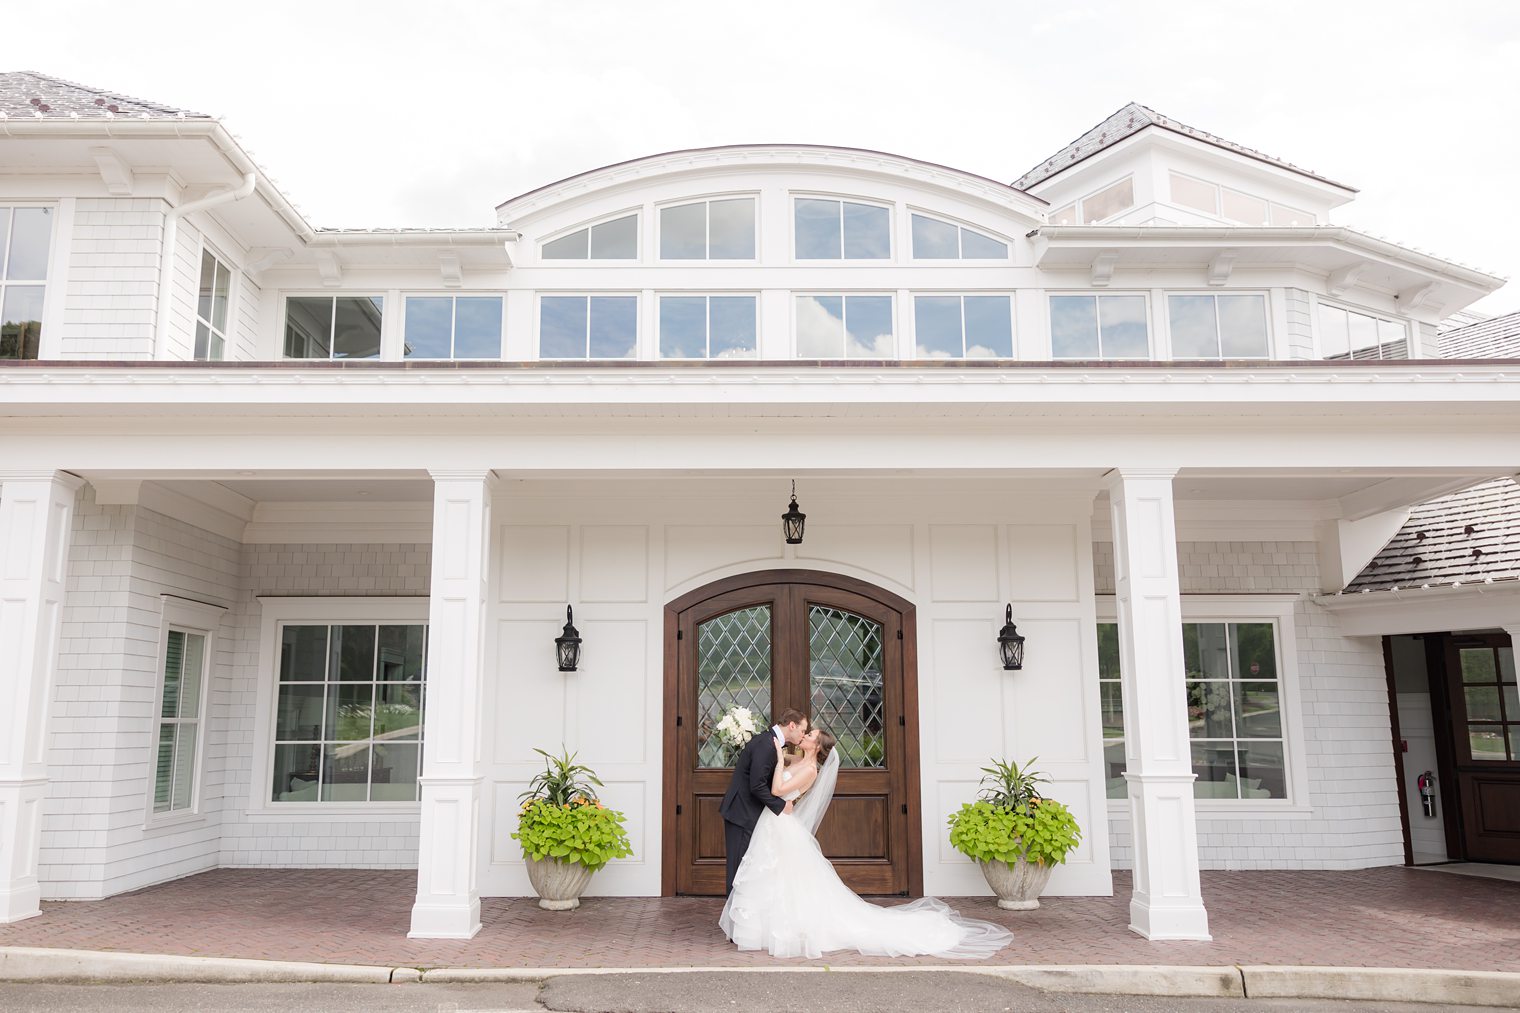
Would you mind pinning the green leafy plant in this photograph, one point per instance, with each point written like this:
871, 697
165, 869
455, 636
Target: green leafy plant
1011, 820
562, 781
561, 817
1007, 785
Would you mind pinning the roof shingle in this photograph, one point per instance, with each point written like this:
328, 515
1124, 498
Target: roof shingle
1495, 338
1468, 537
28, 93
1130, 120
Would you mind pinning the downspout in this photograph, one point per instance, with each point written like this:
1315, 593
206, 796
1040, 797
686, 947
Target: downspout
166, 262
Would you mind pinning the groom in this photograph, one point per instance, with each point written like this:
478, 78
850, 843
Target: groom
750, 789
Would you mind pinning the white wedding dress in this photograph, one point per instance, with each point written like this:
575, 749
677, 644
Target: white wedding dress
788, 899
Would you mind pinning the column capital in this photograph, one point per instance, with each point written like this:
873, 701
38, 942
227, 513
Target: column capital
462, 475
64, 478
1117, 475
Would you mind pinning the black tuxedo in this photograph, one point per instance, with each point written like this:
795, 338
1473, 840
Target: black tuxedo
749, 792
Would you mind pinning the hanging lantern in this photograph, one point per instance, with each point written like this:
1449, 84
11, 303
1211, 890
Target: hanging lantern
567, 646
793, 520
1010, 644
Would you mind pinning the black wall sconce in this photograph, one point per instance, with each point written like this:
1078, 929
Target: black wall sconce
567, 646
1010, 643
793, 520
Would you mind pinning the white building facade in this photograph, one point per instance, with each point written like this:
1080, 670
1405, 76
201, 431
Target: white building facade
291, 517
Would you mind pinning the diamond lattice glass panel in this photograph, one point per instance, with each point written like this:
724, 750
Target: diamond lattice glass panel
733, 670
844, 652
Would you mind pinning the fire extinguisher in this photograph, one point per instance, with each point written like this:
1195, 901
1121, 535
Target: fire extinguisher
1427, 783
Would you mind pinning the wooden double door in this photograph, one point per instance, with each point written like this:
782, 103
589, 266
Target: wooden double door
839, 650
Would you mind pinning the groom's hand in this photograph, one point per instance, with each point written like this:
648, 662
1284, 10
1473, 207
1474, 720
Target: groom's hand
786, 810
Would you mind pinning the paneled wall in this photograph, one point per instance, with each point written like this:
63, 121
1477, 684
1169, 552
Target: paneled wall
619, 551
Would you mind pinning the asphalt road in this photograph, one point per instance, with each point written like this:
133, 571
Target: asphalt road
666, 993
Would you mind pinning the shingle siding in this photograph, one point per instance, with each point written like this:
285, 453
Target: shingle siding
112, 288
1343, 697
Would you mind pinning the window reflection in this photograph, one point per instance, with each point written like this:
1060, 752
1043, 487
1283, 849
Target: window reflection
845, 327
1098, 327
336, 327
582, 327
835, 230
708, 327
709, 230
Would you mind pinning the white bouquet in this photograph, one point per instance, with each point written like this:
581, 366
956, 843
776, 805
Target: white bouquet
737, 726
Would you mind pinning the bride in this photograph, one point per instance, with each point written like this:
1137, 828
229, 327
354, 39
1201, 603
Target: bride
788, 899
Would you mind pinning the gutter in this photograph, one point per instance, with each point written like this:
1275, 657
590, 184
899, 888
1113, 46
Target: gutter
170, 236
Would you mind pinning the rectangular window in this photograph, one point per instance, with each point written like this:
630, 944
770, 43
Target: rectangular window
937, 240
1218, 326
179, 722
1243, 208
1195, 194
1064, 216
588, 327
709, 230
1347, 334
26, 236
333, 327
1111, 707
348, 712
1098, 327
452, 327
211, 308
1281, 214
963, 326
1234, 709
845, 327
1234, 705
1109, 201
841, 230
707, 327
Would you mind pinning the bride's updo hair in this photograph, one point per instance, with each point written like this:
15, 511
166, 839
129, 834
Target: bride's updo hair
825, 744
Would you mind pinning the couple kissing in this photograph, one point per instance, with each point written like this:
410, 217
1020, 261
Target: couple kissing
784, 895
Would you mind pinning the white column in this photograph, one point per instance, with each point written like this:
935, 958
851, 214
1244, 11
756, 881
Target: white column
36, 521
1168, 898
448, 858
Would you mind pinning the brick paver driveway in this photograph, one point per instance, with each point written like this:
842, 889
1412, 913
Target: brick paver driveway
1391, 917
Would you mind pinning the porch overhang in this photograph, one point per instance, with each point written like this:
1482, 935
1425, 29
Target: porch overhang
1478, 606
1421, 284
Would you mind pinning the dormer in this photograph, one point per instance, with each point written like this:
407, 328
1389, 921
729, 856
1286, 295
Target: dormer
1138, 167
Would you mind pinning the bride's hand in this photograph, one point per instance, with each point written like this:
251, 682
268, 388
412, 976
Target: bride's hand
780, 751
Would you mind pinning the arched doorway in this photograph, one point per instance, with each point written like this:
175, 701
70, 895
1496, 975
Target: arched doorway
842, 650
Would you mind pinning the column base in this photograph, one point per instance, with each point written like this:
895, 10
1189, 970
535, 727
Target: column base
1169, 921
20, 903
445, 921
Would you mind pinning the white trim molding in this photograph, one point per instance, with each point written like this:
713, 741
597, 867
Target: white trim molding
201, 619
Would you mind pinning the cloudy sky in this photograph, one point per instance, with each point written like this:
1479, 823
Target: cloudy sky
376, 113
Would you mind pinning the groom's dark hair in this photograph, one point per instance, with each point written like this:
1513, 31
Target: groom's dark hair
791, 717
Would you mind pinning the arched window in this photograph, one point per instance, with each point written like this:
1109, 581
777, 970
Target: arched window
616, 239
934, 239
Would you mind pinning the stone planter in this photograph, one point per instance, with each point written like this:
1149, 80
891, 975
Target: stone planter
1018, 886
559, 884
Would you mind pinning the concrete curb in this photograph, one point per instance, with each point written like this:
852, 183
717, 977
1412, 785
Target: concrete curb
1101, 979
1386, 984
25, 963
1465, 988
